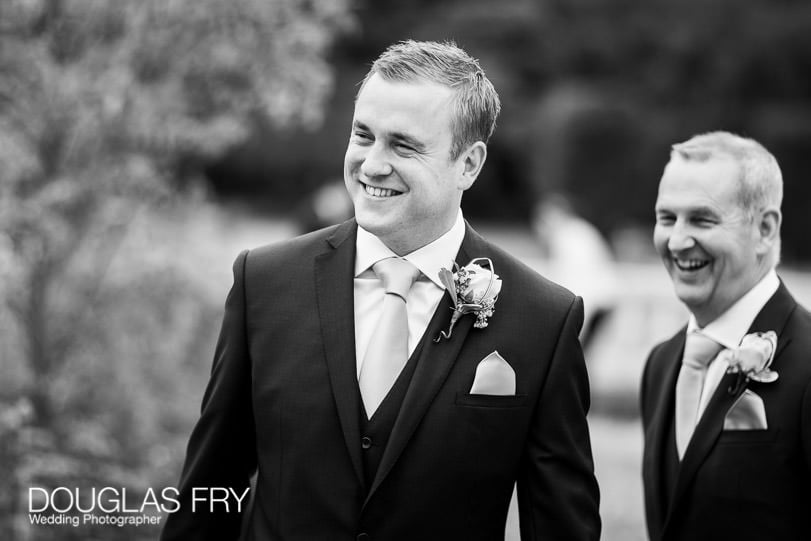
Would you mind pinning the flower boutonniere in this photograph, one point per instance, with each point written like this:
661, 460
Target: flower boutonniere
751, 360
474, 289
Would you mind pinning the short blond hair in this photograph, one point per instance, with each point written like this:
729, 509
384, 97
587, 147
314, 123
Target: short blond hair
476, 104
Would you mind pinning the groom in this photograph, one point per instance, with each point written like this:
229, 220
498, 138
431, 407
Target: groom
330, 384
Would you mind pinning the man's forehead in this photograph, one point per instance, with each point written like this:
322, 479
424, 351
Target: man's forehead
420, 93
697, 198
404, 110
686, 204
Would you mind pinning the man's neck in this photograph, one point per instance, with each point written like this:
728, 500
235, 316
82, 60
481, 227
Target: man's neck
730, 326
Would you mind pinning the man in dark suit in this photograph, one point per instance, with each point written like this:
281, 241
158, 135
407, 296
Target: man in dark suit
726, 402
353, 438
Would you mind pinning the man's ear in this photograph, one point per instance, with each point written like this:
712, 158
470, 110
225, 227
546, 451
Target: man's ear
768, 229
472, 161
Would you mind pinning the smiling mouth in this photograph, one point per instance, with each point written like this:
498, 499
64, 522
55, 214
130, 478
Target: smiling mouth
690, 265
379, 192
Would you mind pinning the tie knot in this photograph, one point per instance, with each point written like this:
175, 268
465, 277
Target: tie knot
700, 350
397, 275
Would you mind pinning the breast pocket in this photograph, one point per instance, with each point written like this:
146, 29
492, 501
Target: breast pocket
490, 401
748, 437
491, 430
744, 469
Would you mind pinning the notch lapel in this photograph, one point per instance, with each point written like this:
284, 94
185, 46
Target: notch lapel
773, 316
704, 437
663, 412
433, 366
334, 270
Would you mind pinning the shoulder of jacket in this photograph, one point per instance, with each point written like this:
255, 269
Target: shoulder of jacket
530, 282
307, 245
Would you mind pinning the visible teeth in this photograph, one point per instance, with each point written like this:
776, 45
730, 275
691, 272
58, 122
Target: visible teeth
379, 192
690, 264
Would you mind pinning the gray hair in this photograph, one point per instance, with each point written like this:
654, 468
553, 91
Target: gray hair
475, 104
761, 182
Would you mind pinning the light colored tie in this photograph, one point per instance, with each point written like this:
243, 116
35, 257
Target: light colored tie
388, 349
699, 351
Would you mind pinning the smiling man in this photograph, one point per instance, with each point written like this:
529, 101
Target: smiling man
726, 402
371, 401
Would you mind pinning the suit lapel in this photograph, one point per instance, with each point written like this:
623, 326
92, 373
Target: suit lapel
657, 438
704, 437
773, 316
433, 366
335, 293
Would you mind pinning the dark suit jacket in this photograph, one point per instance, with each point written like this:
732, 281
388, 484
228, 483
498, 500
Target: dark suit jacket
745, 484
283, 398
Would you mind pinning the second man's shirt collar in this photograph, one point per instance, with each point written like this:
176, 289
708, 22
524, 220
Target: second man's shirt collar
731, 326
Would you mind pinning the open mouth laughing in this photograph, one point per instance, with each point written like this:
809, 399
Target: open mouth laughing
690, 265
375, 191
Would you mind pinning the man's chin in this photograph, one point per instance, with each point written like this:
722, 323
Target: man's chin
372, 224
382, 229
689, 294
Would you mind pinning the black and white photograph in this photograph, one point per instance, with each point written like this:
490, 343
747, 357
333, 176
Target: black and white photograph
344, 270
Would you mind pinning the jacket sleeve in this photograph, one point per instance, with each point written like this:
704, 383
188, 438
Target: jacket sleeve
221, 453
558, 496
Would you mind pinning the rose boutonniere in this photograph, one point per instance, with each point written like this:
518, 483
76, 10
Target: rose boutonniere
751, 360
474, 289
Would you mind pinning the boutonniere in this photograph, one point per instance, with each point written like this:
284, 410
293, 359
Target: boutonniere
751, 360
474, 289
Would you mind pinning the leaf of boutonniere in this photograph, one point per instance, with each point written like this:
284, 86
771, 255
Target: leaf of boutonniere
446, 277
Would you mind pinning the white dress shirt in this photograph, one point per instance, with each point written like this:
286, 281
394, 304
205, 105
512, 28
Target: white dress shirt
730, 328
424, 296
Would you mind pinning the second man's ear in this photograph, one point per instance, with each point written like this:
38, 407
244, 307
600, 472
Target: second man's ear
769, 227
472, 161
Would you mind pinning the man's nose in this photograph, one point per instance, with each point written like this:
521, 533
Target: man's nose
680, 238
375, 162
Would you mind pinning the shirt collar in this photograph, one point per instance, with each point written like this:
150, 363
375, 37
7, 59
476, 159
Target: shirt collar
731, 326
429, 259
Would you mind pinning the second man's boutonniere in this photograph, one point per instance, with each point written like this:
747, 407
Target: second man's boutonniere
751, 360
474, 289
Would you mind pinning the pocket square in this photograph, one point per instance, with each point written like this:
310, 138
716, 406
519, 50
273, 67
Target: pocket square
494, 376
747, 413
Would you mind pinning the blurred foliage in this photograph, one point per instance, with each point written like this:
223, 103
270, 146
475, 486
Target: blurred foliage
594, 93
106, 110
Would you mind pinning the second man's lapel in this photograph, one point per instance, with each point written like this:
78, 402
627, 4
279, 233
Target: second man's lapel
773, 316
660, 423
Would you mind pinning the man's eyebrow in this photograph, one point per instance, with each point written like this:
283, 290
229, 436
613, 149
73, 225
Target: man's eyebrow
360, 125
703, 210
402, 137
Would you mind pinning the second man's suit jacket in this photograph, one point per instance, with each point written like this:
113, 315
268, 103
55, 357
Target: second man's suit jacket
283, 400
733, 484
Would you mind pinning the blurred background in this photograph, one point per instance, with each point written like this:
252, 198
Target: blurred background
144, 143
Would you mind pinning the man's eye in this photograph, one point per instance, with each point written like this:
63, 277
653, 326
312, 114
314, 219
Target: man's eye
664, 219
403, 147
362, 136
